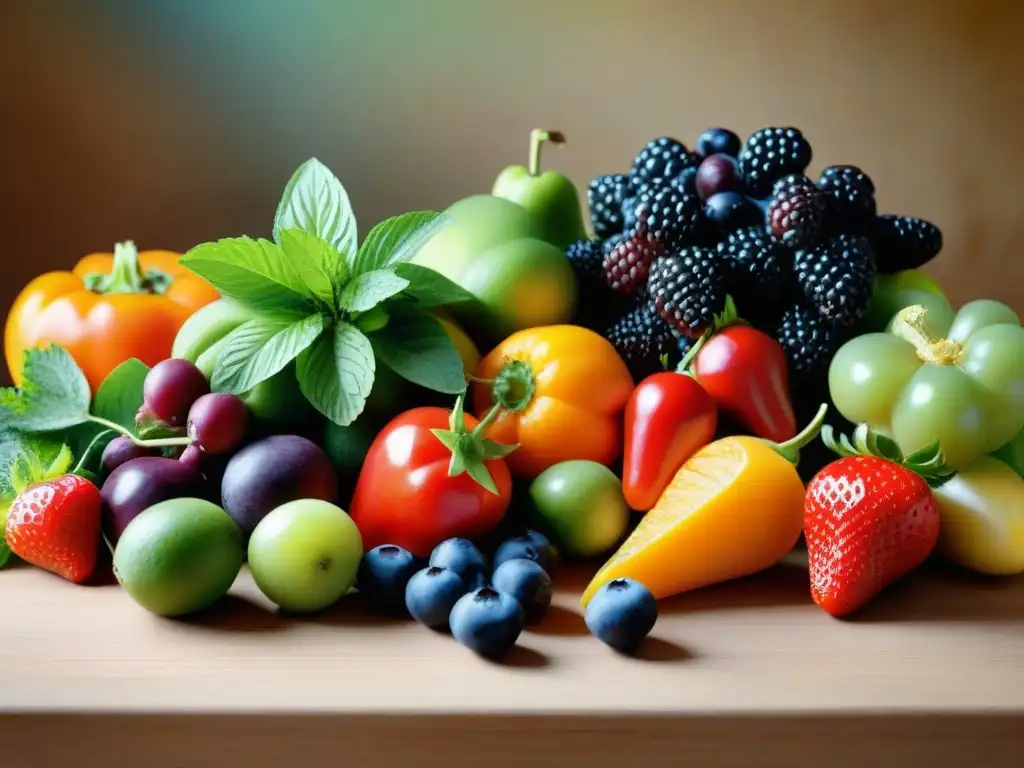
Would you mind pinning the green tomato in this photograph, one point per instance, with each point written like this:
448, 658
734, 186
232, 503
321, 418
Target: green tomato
580, 505
304, 555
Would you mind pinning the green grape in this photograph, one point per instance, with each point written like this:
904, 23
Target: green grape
938, 319
867, 374
994, 356
942, 403
978, 314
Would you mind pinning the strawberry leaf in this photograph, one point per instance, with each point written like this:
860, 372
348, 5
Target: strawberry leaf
928, 462
54, 393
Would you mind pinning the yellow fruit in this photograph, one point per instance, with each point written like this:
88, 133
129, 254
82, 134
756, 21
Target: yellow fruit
463, 344
983, 518
735, 508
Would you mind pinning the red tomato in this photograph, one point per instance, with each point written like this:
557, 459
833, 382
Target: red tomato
405, 496
669, 417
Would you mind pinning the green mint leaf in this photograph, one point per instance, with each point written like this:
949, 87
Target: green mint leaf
260, 348
120, 394
54, 393
255, 273
318, 263
316, 202
415, 346
369, 289
429, 288
396, 240
336, 373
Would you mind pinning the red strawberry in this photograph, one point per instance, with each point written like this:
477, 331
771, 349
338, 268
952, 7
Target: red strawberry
868, 521
55, 525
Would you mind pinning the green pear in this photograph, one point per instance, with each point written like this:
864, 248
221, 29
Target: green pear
549, 195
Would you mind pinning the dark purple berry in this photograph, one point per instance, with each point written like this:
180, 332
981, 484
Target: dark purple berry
718, 173
718, 141
731, 210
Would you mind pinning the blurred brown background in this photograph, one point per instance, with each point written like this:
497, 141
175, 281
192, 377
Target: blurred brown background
176, 122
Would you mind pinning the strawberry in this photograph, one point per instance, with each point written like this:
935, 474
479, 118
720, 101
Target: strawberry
55, 525
869, 519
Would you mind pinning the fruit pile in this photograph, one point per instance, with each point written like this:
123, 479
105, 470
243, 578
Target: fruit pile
684, 230
434, 416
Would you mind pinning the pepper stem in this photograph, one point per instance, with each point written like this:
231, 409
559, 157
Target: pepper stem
538, 137
126, 275
790, 450
929, 349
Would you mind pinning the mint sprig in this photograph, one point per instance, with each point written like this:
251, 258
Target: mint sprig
928, 462
330, 306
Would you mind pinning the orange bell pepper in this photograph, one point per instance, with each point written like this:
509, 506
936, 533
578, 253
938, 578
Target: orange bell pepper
109, 308
558, 392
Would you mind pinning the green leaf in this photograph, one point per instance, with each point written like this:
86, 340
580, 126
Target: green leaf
396, 240
319, 265
416, 347
429, 288
255, 273
54, 393
495, 450
369, 289
42, 451
336, 373
5, 551
448, 438
120, 394
260, 348
316, 202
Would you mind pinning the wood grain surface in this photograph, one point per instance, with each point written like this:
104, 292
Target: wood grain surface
933, 670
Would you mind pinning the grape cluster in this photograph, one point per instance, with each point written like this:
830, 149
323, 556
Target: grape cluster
685, 230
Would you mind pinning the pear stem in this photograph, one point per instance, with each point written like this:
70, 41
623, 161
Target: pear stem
538, 137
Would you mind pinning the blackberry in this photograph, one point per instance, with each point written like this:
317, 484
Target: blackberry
663, 158
671, 216
641, 337
903, 242
850, 198
604, 198
758, 270
837, 277
627, 265
796, 211
586, 257
688, 289
687, 180
772, 153
808, 340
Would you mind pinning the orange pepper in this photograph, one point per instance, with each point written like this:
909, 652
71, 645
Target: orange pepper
558, 392
109, 308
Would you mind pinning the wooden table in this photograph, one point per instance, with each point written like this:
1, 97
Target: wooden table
749, 673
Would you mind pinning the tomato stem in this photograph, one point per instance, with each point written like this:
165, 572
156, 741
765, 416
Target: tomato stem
480, 430
538, 137
790, 450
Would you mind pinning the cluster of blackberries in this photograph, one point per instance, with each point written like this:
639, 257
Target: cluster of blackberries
684, 230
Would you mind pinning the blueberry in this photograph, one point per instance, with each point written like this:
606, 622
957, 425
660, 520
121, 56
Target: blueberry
383, 575
487, 621
621, 614
731, 210
462, 556
528, 583
531, 545
718, 141
431, 594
